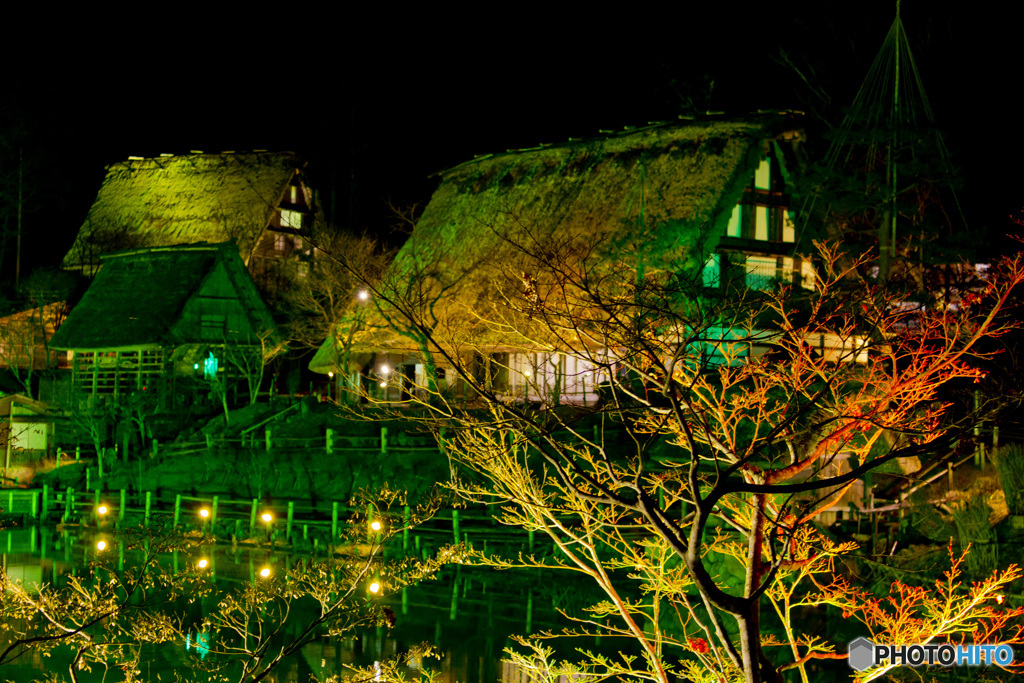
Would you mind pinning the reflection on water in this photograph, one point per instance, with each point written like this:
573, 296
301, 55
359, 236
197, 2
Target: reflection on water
467, 614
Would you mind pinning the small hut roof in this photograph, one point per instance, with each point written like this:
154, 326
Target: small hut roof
139, 295
183, 200
662, 194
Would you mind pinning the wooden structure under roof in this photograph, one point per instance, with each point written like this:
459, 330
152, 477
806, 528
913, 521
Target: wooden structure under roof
152, 314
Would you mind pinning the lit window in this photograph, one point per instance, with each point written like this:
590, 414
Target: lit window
806, 274
788, 228
763, 175
735, 229
761, 223
291, 219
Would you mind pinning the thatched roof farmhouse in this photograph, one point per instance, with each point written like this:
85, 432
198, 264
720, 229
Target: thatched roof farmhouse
256, 199
693, 195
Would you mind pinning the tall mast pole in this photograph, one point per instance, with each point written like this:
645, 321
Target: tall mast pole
887, 230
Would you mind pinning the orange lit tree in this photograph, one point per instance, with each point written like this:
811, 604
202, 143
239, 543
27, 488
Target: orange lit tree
726, 422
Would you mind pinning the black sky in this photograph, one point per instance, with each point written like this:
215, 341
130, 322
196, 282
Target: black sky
376, 108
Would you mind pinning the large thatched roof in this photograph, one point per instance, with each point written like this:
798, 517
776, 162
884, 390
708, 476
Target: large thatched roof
658, 197
183, 200
139, 296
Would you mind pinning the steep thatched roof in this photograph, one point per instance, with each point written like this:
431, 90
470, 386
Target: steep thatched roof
183, 200
658, 197
139, 296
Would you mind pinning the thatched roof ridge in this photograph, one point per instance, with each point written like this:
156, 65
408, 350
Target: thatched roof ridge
183, 199
138, 296
633, 137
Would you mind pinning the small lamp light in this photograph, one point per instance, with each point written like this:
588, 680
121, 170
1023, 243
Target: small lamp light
101, 510
267, 517
265, 572
363, 295
202, 563
204, 513
101, 545
374, 587
375, 525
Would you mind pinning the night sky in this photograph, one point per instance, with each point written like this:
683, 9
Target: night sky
377, 108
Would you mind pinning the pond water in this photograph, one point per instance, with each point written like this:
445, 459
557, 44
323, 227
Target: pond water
467, 613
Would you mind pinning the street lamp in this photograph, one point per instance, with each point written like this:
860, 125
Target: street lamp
267, 518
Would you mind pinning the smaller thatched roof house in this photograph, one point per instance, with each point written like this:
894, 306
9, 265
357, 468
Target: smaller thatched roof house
155, 313
256, 199
698, 196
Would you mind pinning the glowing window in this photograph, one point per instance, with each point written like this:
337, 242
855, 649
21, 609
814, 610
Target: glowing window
735, 228
291, 219
760, 222
763, 175
807, 274
788, 227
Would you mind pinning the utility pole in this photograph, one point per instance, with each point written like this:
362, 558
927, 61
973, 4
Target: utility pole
17, 256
